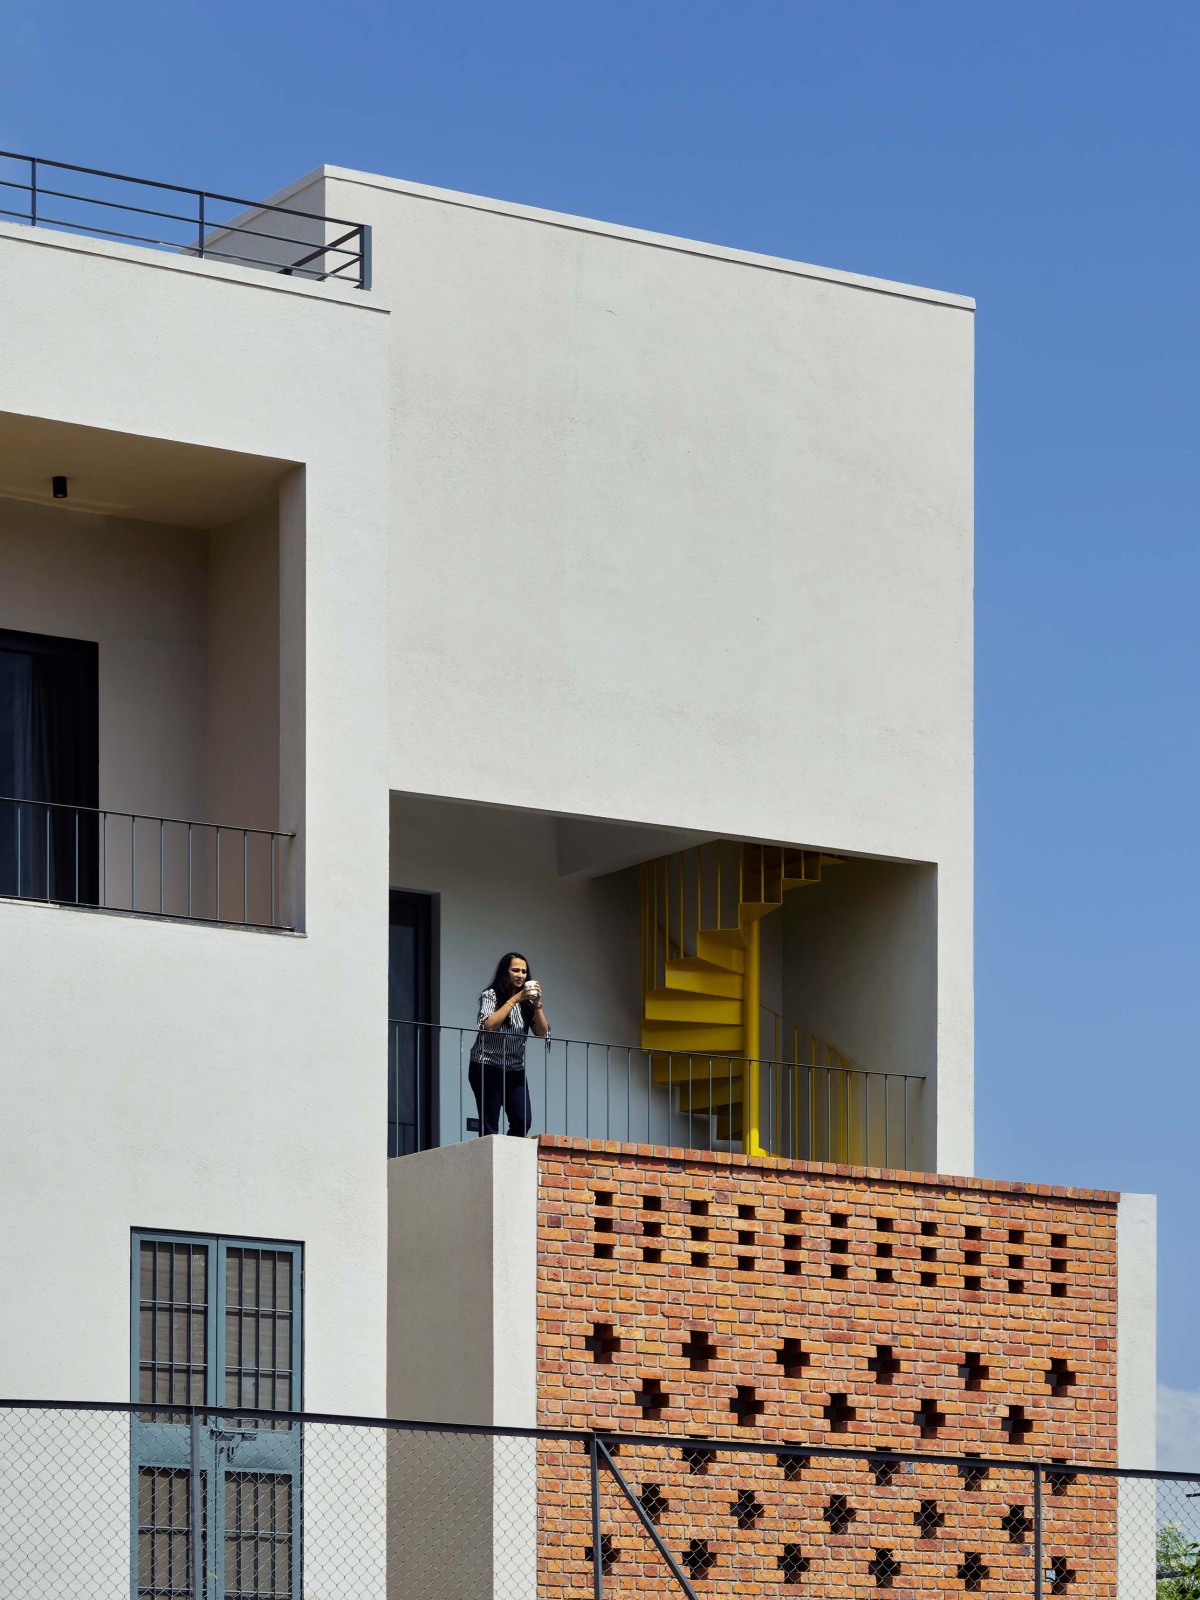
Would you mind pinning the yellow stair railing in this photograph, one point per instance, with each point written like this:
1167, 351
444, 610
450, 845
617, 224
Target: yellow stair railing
701, 961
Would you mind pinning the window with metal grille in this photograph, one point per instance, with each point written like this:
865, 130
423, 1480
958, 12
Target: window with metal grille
217, 1325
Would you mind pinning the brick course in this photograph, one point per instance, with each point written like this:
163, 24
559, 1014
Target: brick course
787, 1302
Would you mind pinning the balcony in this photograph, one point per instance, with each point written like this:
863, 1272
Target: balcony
146, 758
815, 1107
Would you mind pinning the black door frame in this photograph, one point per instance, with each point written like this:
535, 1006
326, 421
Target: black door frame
70, 858
416, 1049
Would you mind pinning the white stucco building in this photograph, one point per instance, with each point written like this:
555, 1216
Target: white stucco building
597, 594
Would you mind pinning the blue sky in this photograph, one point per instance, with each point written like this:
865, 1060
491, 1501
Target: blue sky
1040, 157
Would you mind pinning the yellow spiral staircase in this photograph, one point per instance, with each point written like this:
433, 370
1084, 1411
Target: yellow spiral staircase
702, 910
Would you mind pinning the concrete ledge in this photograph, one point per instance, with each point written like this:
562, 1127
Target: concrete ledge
679, 1158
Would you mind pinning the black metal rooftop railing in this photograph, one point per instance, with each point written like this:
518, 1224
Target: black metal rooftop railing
184, 221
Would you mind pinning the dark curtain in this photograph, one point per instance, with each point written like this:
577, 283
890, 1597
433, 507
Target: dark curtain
48, 753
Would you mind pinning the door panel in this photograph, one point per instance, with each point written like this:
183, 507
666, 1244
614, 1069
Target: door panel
412, 1043
217, 1322
49, 766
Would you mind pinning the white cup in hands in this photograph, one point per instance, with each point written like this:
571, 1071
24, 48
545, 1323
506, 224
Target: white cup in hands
532, 989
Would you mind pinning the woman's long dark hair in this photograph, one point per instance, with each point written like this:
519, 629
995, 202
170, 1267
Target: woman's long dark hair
500, 984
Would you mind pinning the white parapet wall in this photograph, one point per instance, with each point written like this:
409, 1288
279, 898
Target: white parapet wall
462, 1348
1137, 1325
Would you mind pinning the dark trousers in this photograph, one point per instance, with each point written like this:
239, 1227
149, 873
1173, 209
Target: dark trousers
493, 1086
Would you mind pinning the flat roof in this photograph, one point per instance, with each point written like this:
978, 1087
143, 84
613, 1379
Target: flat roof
660, 241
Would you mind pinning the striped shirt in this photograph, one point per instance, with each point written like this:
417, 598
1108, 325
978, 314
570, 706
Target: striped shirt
503, 1046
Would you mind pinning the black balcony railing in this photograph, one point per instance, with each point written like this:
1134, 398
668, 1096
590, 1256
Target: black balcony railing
155, 866
192, 1502
196, 222
799, 1110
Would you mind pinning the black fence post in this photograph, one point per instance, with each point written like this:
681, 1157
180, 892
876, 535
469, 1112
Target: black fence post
197, 1512
597, 1544
1038, 1563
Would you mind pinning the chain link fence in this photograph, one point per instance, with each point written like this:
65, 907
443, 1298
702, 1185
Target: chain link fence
101, 1502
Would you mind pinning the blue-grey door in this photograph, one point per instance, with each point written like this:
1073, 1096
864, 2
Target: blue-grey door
216, 1324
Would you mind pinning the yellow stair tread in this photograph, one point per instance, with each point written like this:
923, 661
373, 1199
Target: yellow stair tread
700, 978
694, 1009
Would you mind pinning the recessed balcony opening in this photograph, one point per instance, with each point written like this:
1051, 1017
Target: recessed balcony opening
700, 993
146, 760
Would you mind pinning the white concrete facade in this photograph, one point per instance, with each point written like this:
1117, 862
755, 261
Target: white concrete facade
561, 546
170, 1075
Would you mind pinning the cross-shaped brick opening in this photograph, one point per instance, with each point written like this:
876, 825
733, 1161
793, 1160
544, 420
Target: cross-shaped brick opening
884, 1568
698, 1558
884, 1472
652, 1500
972, 1570
1059, 1482
1016, 1425
838, 1413
1059, 1375
602, 1342
793, 1563
883, 1364
609, 1554
745, 1405
929, 1419
1059, 1574
1016, 1524
972, 1476
928, 1519
699, 1349
746, 1509
839, 1513
793, 1463
698, 1459
791, 1357
651, 1399
973, 1370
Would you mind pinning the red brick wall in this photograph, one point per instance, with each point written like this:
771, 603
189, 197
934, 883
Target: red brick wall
777, 1285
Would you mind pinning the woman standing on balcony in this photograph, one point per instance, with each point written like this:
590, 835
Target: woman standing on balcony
510, 1009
